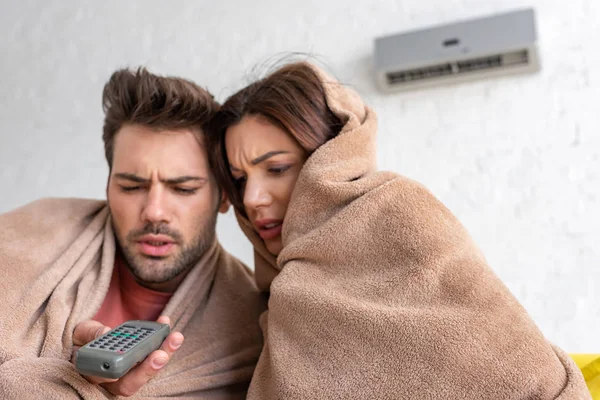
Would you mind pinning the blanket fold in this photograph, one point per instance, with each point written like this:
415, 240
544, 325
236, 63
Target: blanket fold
56, 261
379, 291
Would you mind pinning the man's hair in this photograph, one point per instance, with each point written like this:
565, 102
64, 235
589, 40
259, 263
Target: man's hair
160, 102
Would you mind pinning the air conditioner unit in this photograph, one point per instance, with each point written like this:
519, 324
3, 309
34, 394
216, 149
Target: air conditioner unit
463, 51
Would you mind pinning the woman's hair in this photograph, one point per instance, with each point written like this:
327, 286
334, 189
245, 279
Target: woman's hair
161, 102
292, 98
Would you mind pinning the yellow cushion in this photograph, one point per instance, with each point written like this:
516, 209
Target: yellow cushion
589, 364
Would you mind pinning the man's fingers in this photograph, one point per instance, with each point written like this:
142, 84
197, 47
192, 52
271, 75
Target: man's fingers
97, 380
172, 343
87, 331
163, 319
74, 353
138, 376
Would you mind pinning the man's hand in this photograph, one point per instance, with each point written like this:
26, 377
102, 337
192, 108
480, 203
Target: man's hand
137, 376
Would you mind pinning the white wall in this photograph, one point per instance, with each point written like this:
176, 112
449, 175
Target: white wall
517, 159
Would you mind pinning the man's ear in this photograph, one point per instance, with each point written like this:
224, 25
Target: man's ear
225, 203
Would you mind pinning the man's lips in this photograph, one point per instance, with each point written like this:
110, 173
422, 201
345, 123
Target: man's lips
155, 245
268, 228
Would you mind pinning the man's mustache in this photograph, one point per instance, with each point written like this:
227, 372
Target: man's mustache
155, 229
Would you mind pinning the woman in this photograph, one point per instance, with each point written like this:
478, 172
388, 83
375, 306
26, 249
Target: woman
376, 290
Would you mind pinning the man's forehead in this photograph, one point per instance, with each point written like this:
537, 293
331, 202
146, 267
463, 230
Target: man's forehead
143, 132
177, 151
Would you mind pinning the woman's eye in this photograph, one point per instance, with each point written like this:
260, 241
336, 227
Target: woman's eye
279, 169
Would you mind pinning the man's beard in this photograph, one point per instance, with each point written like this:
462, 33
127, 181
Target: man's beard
154, 270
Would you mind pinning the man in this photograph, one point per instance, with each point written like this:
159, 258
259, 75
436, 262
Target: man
72, 269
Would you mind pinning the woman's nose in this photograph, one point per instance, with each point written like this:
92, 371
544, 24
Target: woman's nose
256, 195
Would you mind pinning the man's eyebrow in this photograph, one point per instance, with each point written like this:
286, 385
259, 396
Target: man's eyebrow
169, 181
131, 177
184, 179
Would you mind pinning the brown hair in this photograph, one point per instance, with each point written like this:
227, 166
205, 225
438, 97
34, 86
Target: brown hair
292, 98
140, 97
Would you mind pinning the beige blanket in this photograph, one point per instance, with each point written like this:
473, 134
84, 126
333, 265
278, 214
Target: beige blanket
56, 259
380, 293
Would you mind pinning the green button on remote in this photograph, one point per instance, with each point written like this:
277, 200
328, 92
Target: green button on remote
117, 351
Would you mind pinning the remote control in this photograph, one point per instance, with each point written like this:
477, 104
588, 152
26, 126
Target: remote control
117, 351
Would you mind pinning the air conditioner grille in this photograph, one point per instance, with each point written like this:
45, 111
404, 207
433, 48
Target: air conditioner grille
478, 64
419, 73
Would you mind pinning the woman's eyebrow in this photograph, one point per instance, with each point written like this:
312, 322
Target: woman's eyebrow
267, 155
260, 159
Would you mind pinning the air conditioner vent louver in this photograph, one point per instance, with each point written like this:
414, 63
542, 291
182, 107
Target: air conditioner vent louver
502, 44
419, 73
479, 63
459, 67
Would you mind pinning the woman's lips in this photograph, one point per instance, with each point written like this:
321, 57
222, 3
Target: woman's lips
268, 228
270, 233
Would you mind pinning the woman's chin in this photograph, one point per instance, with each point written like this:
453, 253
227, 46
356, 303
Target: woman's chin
274, 246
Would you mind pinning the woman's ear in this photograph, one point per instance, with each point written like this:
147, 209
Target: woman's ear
225, 203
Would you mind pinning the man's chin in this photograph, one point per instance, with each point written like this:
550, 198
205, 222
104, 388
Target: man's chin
153, 269
147, 260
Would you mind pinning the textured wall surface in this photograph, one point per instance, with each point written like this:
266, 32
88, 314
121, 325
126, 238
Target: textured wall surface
517, 158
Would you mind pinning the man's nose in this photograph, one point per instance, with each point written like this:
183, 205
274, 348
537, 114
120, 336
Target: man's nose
156, 209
